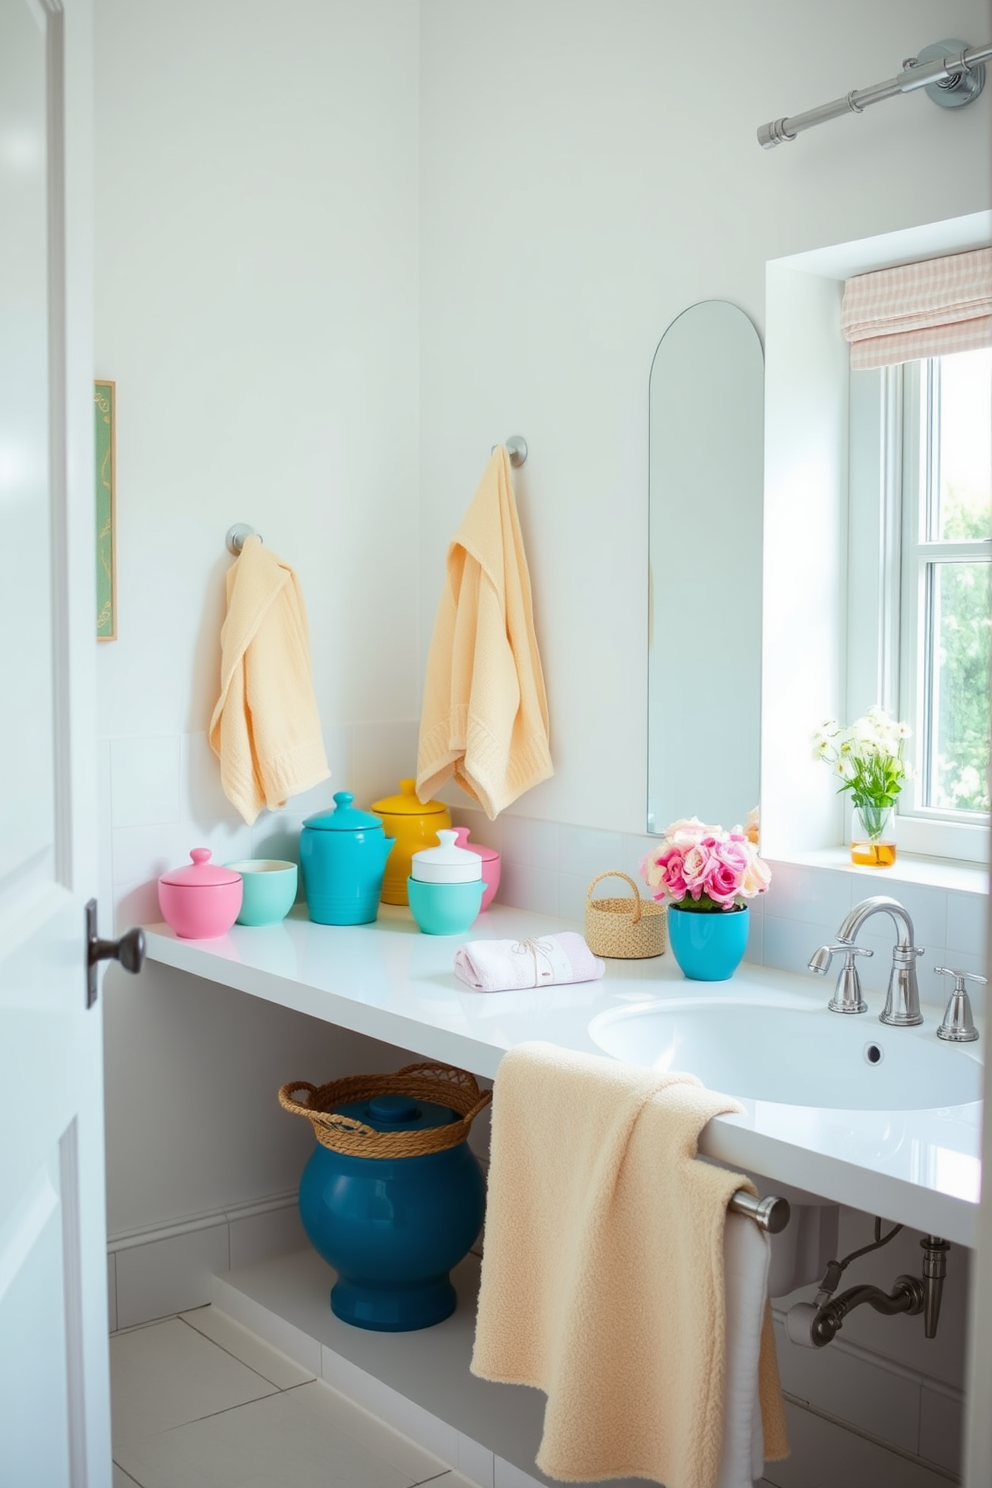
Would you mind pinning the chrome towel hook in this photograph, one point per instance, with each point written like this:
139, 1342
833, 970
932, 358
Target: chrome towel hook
516, 448
236, 535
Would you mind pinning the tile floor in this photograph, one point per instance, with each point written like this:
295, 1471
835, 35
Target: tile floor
200, 1402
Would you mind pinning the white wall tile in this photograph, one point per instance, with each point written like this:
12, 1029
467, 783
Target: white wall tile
136, 904
817, 895
276, 834
755, 951
141, 854
337, 747
145, 776
788, 944
202, 798
927, 908
881, 1401
966, 917
586, 852
169, 1275
517, 833
481, 830
544, 840
382, 754
825, 1455
526, 887
941, 1426
259, 1236
572, 891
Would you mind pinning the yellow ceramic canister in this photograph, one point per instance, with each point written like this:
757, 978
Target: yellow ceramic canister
414, 826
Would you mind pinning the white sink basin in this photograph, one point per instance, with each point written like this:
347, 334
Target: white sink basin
795, 1055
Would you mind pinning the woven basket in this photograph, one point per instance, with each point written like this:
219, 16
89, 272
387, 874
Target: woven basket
623, 928
440, 1083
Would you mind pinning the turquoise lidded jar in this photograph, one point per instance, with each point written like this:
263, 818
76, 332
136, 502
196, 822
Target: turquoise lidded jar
343, 856
708, 945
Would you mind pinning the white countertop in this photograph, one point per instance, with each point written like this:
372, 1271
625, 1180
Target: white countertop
387, 980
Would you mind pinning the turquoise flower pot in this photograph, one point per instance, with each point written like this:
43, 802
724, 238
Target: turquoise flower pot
708, 945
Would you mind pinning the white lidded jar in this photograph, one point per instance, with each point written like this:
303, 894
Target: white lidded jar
447, 863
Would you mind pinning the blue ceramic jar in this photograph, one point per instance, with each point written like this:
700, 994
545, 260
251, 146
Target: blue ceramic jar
343, 856
393, 1227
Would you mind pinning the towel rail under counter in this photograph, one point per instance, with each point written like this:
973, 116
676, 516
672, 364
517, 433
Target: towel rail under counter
771, 1213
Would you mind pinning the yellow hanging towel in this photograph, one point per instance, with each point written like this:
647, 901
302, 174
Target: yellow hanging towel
265, 728
485, 713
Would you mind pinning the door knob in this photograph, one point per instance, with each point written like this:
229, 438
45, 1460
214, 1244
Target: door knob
129, 951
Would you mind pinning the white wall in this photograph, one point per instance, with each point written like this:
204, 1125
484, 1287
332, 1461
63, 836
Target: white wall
589, 170
256, 304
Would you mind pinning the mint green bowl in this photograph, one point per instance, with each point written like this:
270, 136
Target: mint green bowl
269, 890
445, 908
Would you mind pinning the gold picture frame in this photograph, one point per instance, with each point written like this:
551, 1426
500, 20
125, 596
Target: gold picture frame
105, 409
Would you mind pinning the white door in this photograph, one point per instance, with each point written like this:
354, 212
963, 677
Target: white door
54, 1397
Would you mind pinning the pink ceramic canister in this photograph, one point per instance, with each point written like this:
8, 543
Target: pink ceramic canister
202, 900
490, 865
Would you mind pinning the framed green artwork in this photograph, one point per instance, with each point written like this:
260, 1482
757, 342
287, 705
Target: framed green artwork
106, 511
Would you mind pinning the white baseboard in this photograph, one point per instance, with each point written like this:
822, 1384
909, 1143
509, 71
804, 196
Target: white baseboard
159, 1270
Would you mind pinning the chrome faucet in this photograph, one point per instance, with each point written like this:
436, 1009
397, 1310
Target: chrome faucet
902, 1002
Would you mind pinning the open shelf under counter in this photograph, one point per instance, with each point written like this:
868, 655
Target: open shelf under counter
418, 1382
920, 1167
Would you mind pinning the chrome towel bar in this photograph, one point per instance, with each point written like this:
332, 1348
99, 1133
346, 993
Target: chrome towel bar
771, 1213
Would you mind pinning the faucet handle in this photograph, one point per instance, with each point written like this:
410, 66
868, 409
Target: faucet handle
958, 1026
847, 994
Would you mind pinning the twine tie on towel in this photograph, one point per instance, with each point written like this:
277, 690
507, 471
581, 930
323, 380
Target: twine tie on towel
537, 947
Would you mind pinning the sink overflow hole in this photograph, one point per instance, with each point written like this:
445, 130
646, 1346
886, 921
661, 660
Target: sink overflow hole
873, 1054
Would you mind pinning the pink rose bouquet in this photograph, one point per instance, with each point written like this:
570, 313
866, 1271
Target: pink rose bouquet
704, 868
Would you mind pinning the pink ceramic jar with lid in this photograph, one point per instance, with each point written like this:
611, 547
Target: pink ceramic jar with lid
490, 865
202, 900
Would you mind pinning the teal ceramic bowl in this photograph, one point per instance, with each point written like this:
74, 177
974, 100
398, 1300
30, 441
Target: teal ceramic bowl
269, 890
445, 908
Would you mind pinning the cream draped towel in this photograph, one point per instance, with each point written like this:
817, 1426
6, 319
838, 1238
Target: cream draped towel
603, 1272
485, 714
265, 728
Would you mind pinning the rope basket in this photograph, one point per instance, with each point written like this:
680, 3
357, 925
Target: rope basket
622, 928
440, 1083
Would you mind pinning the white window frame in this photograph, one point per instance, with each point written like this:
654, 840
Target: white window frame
882, 607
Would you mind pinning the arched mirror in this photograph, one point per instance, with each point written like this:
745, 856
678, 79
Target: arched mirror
706, 397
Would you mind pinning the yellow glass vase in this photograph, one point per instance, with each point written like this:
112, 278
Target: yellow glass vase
872, 842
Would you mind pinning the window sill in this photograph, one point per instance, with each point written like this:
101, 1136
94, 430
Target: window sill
909, 868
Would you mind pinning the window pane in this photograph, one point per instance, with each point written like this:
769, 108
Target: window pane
960, 659
963, 447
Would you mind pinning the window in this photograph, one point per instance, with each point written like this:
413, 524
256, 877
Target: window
947, 601
929, 623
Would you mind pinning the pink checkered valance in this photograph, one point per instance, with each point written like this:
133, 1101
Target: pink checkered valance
919, 310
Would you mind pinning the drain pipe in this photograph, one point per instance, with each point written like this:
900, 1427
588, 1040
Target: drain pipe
815, 1324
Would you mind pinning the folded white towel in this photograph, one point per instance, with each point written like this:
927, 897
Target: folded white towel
505, 965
